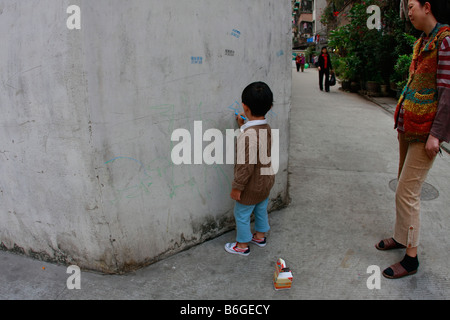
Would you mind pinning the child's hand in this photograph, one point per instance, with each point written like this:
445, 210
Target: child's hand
239, 119
235, 194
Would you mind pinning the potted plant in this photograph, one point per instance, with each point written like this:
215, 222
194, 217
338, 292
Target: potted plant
373, 85
354, 86
384, 90
353, 71
373, 88
401, 71
342, 72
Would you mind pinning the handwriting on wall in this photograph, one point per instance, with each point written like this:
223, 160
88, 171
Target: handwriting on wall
229, 52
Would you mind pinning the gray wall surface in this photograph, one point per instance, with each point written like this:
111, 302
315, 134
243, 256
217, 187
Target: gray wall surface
87, 115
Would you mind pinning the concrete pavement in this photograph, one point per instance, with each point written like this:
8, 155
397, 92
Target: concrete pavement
343, 156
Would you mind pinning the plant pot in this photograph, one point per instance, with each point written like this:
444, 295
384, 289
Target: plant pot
354, 86
384, 90
345, 85
373, 88
393, 86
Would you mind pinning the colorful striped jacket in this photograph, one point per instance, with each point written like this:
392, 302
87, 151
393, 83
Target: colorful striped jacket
419, 98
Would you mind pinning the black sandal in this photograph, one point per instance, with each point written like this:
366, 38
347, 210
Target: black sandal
389, 244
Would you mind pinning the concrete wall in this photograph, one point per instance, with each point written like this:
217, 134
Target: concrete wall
86, 175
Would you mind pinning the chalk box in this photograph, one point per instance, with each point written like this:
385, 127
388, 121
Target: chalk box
282, 277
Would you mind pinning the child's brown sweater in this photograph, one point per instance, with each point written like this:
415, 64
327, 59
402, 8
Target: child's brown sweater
255, 186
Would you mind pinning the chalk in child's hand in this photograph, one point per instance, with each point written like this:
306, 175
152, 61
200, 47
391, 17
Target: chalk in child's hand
243, 118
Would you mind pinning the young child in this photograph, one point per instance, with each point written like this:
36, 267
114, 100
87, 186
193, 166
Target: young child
251, 185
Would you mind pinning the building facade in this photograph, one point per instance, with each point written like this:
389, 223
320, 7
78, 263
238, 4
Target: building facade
303, 25
307, 27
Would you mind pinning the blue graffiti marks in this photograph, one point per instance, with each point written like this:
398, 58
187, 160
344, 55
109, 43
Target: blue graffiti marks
236, 33
196, 60
280, 53
271, 113
235, 107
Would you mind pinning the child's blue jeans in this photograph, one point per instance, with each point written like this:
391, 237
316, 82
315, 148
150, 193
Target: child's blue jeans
242, 215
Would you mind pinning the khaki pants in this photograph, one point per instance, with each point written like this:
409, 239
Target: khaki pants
414, 165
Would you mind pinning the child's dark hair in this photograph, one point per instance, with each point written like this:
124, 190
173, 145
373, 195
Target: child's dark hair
440, 9
258, 97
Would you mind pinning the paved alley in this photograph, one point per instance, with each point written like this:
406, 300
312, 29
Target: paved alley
343, 160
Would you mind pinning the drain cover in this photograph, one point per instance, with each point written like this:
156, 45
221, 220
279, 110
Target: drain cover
428, 191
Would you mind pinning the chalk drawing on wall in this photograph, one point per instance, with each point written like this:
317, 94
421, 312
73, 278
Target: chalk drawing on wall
236, 33
139, 178
159, 173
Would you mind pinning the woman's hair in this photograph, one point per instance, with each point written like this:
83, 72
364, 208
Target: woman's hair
440, 9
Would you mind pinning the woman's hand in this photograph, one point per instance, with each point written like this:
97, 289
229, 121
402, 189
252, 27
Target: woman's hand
432, 146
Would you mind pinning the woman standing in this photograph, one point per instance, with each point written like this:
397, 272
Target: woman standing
324, 69
302, 62
298, 60
422, 119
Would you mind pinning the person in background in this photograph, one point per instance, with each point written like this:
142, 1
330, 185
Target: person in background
302, 62
324, 66
298, 62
